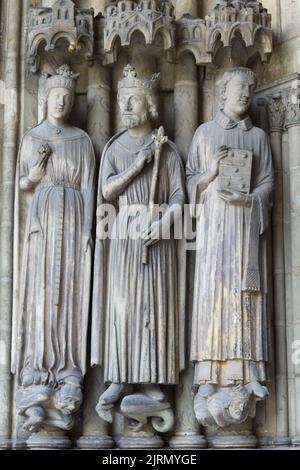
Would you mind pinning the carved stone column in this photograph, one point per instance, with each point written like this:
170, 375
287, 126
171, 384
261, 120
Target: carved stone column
98, 125
10, 146
186, 6
28, 86
293, 126
98, 98
98, 5
185, 102
185, 89
276, 114
95, 430
187, 430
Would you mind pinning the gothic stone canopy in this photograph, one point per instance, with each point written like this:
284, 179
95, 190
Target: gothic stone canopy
247, 22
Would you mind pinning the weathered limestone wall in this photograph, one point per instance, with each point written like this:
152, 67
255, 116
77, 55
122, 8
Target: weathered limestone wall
286, 57
187, 99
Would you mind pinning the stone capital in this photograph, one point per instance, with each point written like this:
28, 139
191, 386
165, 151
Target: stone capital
276, 112
292, 105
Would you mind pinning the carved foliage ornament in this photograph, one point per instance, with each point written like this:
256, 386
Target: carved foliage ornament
276, 112
292, 104
283, 107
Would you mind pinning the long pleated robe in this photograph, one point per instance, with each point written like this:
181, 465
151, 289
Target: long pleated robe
141, 313
230, 327
51, 295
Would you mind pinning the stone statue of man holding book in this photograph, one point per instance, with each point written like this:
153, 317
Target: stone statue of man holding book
230, 184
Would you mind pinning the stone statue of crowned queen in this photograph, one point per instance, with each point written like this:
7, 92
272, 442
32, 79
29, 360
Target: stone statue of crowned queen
56, 171
138, 297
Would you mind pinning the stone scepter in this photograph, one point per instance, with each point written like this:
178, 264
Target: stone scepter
159, 140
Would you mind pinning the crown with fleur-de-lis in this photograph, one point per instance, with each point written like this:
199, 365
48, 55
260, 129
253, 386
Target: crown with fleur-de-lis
131, 80
63, 78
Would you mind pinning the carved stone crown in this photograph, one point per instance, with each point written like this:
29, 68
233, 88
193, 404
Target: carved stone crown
131, 80
243, 71
64, 78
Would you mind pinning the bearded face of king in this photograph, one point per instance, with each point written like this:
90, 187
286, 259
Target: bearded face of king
134, 107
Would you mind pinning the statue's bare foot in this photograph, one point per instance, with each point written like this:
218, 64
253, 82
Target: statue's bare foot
257, 389
153, 391
36, 416
112, 394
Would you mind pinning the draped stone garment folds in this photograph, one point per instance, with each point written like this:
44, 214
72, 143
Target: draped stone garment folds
230, 328
141, 342
51, 304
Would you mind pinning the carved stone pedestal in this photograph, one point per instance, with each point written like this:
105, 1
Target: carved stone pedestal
296, 441
5, 443
145, 439
233, 442
187, 441
48, 440
272, 442
236, 436
282, 441
150, 442
19, 443
95, 442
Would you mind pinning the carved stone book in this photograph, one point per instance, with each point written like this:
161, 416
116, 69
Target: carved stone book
235, 171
